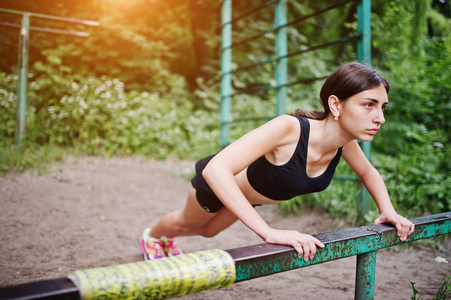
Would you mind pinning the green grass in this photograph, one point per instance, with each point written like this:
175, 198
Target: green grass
30, 157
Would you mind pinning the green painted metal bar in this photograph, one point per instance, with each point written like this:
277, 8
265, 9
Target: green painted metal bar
226, 76
249, 12
21, 109
319, 12
266, 259
243, 41
345, 178
253, 119
281, 51
364, 56
365, 276
262, 88
364, 29
288, 55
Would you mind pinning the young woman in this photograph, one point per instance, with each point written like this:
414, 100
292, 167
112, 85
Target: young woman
288, 156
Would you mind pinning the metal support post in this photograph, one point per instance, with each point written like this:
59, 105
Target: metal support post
249, 262
226, 66
24, 40
364, 56
281, 51
21, 108
365, 276
364, 30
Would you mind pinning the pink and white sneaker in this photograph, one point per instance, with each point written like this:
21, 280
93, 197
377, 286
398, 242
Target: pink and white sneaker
170, 247
152, 248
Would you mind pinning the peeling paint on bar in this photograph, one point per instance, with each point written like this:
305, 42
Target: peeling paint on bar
266, 259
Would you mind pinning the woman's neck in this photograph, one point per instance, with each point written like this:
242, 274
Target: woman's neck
327, 135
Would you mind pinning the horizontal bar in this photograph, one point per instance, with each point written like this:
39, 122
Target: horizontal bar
249, 119
266, 259
60, 288
339, 41
243, 41
75, 33
258, 88
276, 58
251, 38
66, 32
249, 12
84, 22
345, 178
316, 13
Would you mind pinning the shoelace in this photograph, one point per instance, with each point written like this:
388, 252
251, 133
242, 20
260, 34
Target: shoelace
172, 245
157, 247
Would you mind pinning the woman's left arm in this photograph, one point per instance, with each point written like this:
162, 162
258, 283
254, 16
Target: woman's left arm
371, 178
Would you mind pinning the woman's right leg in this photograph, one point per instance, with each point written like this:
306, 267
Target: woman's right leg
190, 221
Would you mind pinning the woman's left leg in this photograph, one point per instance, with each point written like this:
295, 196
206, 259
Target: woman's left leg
222, 220
193, 220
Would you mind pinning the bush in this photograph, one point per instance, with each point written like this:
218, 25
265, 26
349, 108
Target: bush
97, 116
416, 178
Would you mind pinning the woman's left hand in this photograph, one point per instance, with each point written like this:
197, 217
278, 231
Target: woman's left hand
403, 226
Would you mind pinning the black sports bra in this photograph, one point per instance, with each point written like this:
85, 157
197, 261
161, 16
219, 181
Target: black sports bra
289, 180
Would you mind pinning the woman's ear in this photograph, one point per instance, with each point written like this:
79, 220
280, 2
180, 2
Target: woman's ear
334, 105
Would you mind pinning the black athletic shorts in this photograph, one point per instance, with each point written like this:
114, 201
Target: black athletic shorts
204, 194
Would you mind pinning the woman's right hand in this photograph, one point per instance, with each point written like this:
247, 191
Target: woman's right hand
302, 243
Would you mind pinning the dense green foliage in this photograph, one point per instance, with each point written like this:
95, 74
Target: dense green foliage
98, 117
146, 83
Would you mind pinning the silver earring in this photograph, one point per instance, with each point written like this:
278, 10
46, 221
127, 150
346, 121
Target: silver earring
336, 118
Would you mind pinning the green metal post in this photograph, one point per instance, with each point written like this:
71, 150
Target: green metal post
364, 29
365, 276
21, 109
226, 65
364, 56
281, 50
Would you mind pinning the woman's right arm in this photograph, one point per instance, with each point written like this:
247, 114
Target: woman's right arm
220, 176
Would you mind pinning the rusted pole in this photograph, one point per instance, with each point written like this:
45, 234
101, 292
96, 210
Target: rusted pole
365, 276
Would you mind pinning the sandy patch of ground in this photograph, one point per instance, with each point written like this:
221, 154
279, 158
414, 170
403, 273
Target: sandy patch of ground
89, 212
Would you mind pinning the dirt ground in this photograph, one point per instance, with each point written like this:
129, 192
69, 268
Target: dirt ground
89, 212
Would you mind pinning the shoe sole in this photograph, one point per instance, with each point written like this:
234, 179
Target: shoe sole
141, 244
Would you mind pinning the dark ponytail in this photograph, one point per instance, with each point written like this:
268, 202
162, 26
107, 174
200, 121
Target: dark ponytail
316, 114
346, 81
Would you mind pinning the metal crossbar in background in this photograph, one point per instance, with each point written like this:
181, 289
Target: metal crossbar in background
298, 52
267, 259
280, 59
226, 60
293, 22
25, 28
251, 11
363, 38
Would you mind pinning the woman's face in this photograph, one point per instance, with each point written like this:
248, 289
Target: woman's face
362, 115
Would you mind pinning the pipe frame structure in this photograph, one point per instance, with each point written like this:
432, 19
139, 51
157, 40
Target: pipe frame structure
266, 259
24, 42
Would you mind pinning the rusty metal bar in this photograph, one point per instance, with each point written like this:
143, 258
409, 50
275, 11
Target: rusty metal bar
365, 275
266, 259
